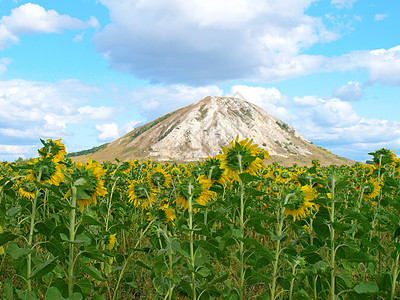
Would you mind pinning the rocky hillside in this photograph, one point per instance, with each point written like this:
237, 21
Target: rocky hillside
201, 129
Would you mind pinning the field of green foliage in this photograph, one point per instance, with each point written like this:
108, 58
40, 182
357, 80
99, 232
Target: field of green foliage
230, 227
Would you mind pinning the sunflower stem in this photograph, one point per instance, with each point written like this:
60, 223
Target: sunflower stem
191, 240
332, 236
129, 258
394, 277
279, 232
30, 238
71, 243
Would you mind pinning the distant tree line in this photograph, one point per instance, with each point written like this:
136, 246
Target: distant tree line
88, 151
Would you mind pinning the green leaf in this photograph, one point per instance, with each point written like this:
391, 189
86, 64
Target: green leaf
15, 251
366, 288
88, 220
85, 286
26, 295
92, 252
13, 211
53, 294
204, 272
8, 289
6, 237
44, 268
93, 272
161, 285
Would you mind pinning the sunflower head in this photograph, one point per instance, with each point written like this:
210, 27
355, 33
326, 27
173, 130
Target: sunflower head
384, 156
301, 202
158, 177
111, 241
46, 170
140, 193
53, 149
196, 188
371, 189
87, 178
26, 188
242, 156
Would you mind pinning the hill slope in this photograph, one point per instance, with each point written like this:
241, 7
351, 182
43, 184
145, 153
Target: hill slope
201, 129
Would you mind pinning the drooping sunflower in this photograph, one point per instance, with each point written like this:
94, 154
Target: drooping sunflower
197, 188
158, 178
371, 189
141, 194
301, 202
46, 170
382, 156
53, 149
111, 241
242, 156
90, 173
26, 188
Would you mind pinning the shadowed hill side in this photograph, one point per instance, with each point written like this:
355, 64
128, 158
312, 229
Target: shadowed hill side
201, 129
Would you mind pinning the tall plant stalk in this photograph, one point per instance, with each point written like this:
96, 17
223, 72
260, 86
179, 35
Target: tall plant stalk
192, 256
72, 217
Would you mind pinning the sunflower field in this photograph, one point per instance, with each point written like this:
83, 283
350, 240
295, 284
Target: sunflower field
231, 227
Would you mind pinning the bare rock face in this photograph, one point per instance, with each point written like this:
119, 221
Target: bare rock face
213, 122
201, 129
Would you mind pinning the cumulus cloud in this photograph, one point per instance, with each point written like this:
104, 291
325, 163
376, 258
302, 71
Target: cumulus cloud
3, 63
352, 91
32, 18
108, 132
343, 3
155, 101
271, 99
31, 109
14, 149
380, 17
199, 42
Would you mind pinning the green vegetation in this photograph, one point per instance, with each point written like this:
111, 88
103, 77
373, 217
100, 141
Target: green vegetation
89, 151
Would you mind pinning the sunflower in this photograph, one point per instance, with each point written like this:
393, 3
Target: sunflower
53, 149
26, 188
141, 194
301, 202
211, 167
371, 189
111, 241
47, 169
242, 156
164, 213
90, 174
158, 178
382, 156
197, 188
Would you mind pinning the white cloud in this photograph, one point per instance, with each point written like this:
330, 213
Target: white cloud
270, 99
198, 42
14, 149
96, 113
352, 91
155, 101
3, 63
129, 126
380, 17
343, 3
32, 18
108, 132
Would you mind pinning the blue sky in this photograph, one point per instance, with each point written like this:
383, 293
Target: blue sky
90, 71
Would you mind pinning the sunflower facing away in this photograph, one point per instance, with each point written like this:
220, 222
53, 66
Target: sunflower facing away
48, 170
197, 188
141, 194
301, 202
242, 156
53, 149
26, 188
90, 173
158, 178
